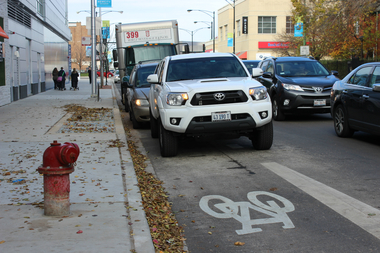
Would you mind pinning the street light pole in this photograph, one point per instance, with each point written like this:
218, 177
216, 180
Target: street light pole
93, 49
233, 6
192, 35
212, 25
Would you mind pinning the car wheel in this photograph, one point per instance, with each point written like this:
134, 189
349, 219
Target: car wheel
342, 129
153, 125
135, 123
168, 142
278, 115
262, 138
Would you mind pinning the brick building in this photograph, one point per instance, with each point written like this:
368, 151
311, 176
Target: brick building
79, 59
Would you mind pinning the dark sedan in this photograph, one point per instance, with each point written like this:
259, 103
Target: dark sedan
355, 101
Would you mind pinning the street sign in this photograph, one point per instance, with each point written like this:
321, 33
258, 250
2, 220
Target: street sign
304, 50
86, 41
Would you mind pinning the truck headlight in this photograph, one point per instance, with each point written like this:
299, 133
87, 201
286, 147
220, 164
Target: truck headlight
176, 99
258, 93
292, 87
142, 102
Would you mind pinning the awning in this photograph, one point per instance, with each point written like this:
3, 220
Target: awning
242, 55
3, 34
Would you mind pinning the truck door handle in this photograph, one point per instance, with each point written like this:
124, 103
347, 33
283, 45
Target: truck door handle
365, 96
345, 91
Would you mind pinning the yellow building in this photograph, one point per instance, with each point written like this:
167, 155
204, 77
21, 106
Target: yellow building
257, 26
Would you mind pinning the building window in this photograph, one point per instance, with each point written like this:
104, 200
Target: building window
221, 33
267, 25
238, 28
40, 7
289, 25
225, 33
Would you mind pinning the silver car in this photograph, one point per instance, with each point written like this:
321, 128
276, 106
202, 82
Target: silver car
116, 77
137, 92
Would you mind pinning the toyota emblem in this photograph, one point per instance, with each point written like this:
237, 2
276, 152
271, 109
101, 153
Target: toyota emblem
219, 96
318, 89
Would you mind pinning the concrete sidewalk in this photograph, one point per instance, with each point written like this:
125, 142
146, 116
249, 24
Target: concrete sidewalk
105, 200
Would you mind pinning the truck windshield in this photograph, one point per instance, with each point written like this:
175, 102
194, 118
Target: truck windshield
148, 53
204, 68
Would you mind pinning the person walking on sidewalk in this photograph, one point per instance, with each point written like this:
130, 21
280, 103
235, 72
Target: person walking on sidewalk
89, 73
62, 77
55, 77
74, 79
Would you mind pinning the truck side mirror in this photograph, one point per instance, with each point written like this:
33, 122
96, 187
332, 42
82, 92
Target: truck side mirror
256, 72
187, 50
153, 78
114, 54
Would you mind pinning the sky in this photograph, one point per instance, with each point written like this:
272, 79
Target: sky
154, 10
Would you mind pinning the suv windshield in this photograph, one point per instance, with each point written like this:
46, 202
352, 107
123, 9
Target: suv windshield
142, 75
204, 68
301, 68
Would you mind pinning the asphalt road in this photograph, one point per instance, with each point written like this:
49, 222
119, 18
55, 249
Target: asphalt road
311, 192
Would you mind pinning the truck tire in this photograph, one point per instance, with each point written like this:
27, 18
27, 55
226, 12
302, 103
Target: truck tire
262, 138
278, 115
135, 123
168, 142
153, 125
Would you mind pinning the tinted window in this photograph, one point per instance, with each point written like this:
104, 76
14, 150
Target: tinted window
142, 74
361, 76
375, 77
204, 68
250, 65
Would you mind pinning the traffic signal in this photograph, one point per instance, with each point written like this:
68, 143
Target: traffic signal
204, 47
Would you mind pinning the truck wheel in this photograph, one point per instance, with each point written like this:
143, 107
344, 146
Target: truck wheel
262, 138
153, 125
342, 129
135, 123
168, 142
278, 115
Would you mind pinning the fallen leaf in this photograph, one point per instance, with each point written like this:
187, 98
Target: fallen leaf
79, 232
239, 243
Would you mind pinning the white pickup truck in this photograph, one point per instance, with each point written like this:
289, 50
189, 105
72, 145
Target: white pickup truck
207, 94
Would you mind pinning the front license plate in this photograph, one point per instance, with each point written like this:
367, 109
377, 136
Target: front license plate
319, 102
221, 116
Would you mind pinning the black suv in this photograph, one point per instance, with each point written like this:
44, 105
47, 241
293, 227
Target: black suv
297, 85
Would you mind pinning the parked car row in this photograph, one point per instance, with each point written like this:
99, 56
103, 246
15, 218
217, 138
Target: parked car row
205, 94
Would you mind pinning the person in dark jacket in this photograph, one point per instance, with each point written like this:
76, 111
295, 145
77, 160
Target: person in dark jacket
74, 79
55, 77
62, 74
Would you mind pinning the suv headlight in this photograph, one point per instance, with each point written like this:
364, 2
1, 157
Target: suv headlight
292, 87
176, 99
142, 102
258, 93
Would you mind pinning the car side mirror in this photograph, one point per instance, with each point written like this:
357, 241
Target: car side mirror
335, 73
267, 75
153, 78
256, 72
376, 87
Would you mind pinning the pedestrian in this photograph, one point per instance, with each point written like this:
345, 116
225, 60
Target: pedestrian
74, 79
89, 73
62, 79
55, 77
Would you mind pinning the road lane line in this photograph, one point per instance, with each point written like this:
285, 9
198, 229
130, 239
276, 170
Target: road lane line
363, 215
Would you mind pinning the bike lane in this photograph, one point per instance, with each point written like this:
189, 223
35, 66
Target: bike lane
254, 209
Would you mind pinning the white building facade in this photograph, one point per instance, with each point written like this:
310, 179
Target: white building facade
38, 42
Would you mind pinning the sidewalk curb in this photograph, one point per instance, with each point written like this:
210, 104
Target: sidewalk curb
140, 231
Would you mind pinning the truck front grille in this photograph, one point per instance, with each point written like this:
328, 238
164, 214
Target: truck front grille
209, 98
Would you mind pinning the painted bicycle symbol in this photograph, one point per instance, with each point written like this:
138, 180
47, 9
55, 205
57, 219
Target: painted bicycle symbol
241, 210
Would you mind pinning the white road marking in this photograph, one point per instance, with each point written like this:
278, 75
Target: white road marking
240, 210
363, 215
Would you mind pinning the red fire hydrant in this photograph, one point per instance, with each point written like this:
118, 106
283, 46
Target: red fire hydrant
58, 163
